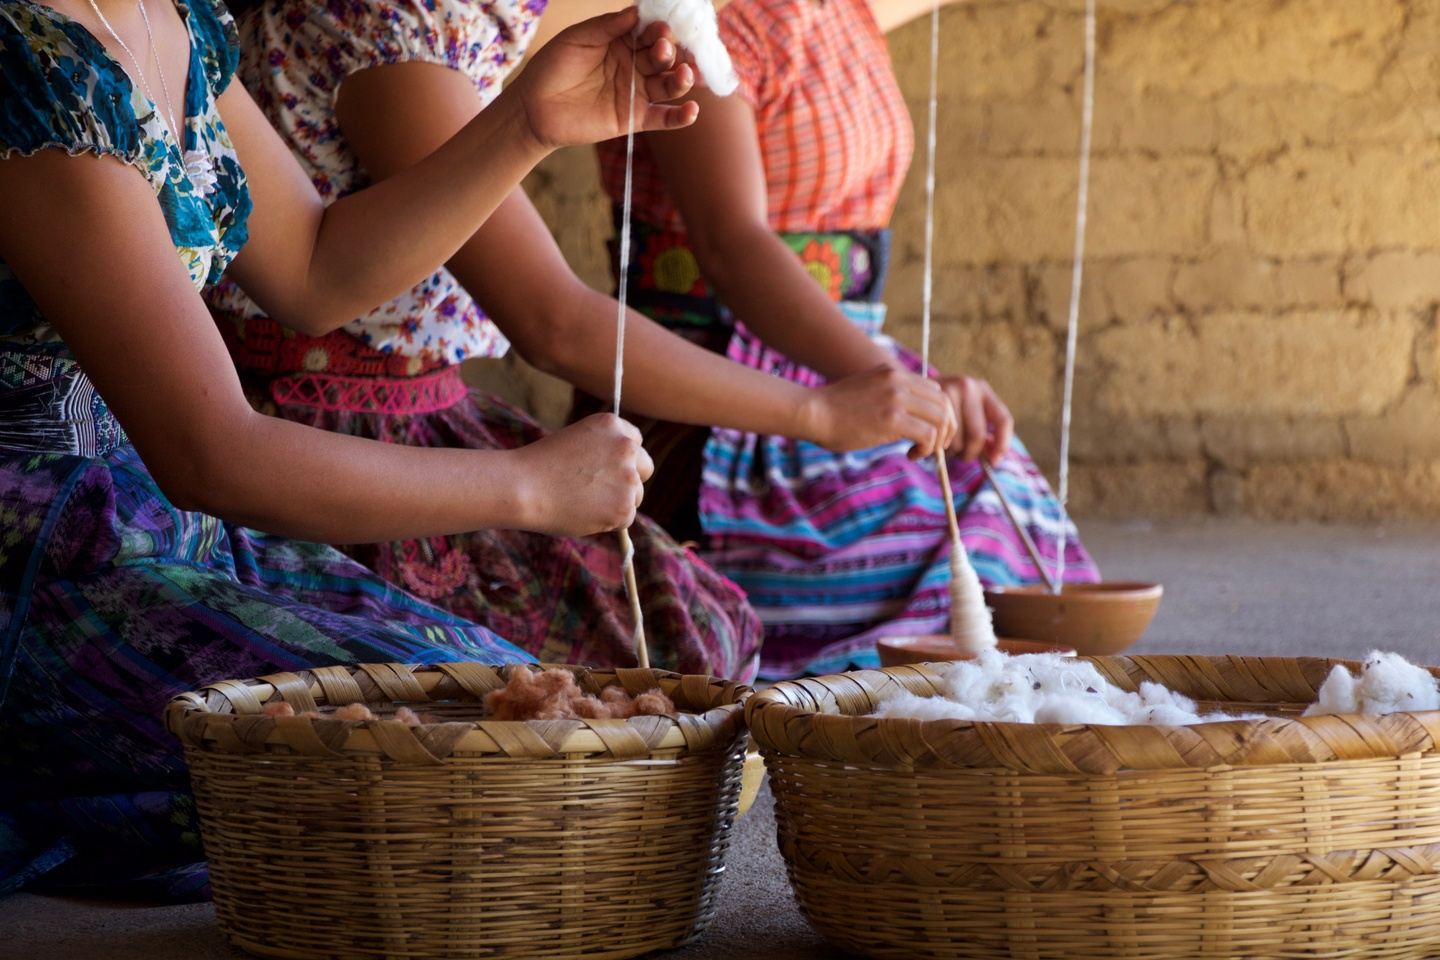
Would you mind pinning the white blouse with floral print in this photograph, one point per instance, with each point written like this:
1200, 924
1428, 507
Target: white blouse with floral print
296, 53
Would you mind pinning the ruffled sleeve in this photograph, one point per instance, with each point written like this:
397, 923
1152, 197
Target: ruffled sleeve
58, 92
483, 39
763, 38
218, 40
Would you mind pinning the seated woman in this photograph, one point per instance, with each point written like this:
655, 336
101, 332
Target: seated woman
362, 92
125, 573
761, 234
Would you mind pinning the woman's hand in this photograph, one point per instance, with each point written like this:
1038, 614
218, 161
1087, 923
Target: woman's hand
586, 478
882, 405
985, 423
577, 89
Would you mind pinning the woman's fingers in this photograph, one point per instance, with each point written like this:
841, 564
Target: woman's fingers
974, 431
663, 116
656, 31
670, 85
923, 435
644, 465
926, 399
952, 425
1002, 424
985, 426
656, 52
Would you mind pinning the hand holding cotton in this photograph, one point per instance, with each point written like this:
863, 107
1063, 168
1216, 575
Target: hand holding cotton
698, 31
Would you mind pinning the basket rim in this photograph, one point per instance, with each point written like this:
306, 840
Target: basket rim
227, 715
822, 718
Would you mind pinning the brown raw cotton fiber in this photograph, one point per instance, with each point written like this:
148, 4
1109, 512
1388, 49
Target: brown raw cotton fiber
554, 695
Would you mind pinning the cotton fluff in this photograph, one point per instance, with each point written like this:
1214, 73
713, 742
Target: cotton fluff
1044, 688
698, 31
1337, 694
906, 704
1388, 683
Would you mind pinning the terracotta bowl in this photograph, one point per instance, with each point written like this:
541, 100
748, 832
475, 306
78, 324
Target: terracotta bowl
896, 651
1097, 619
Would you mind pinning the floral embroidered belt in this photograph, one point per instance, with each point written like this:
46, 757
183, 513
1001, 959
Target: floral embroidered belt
336, 372
262, 347
665, 280
401, 396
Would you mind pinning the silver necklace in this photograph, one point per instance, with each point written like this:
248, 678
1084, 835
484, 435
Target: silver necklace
198, 166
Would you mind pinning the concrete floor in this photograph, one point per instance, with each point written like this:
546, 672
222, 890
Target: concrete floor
1230, 587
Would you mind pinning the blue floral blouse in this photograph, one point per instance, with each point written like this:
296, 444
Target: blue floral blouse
61, 89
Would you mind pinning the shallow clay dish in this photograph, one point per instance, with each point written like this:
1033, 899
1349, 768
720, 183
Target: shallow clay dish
1097, 619
895, 651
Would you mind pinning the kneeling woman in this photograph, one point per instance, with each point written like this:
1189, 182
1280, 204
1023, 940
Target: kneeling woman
132, 173
789, 182
362, 91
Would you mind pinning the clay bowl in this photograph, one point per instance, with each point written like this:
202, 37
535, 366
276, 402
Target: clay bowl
1097, 619
896, 651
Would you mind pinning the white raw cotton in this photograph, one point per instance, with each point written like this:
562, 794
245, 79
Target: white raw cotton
698, 31
1045, 688
1388, 683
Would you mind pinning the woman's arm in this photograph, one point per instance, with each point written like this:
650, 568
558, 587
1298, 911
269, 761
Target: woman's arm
718, 182
316, 267
715, 173
393, 116
87, 240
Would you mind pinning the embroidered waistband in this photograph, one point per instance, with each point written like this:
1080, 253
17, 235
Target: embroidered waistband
427, 393
262, 346
849, 265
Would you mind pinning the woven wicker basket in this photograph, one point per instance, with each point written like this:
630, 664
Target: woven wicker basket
1285, 837
460, 839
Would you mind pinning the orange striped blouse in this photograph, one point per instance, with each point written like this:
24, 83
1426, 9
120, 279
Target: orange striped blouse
834, 133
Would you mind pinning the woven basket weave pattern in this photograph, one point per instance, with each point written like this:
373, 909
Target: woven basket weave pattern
1287, 837
331, 839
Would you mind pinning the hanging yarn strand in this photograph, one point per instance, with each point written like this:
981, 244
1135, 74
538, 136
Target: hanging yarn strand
1077, 275
696, 28
627, 547
971, 629
623, 294
927, 288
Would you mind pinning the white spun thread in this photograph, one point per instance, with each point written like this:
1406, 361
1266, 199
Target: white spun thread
1087, 120
624, 292
627, 546
928, 287
971, 629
